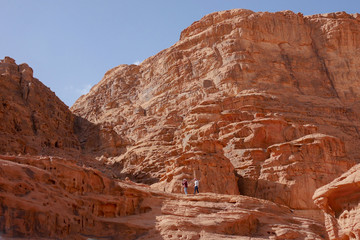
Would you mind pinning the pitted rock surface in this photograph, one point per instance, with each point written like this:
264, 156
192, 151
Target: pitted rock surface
264, 101
257, 104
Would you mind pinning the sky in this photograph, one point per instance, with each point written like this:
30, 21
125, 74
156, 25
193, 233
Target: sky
70, 44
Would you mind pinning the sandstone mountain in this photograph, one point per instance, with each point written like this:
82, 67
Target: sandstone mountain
266, 98
33, 120
264, 105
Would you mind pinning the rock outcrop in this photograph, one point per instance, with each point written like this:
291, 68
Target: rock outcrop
33, 120
257, 103
71, 200
340, 201
48, 197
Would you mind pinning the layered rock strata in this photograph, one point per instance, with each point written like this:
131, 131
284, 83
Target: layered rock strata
340, 202
258, 104
52, 198
258, 100
33, 120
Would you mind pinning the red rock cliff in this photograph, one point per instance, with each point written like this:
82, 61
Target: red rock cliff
261, 104
33, 120
266, 98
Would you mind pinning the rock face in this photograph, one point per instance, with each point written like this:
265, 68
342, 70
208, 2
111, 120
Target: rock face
256, 103
340, 201
33, 120
71, 200
54, 198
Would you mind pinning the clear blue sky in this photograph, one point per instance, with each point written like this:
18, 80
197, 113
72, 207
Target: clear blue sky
70, 44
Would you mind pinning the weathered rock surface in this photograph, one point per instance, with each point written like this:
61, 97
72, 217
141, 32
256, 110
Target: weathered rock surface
260, 103
54, 198
33, 120
340, 201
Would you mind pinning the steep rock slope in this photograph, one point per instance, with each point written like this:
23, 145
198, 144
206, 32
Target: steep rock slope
264, 101
50, 197
262, 104
33, 120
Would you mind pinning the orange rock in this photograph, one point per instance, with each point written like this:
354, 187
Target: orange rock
48, 197
33, 119
261, 104
236, 84
53, 197
339, 200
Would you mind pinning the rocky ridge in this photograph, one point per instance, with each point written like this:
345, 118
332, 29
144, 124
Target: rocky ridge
33, 120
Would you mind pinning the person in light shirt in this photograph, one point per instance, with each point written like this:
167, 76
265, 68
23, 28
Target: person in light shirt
196, 184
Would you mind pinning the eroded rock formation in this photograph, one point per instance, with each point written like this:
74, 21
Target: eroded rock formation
33, 120
54, 198
271, 97
340, 201
258, 104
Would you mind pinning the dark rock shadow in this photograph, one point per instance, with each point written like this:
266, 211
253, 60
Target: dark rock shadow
97, 141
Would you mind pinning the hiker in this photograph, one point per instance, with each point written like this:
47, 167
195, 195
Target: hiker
185, 185
196, 184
